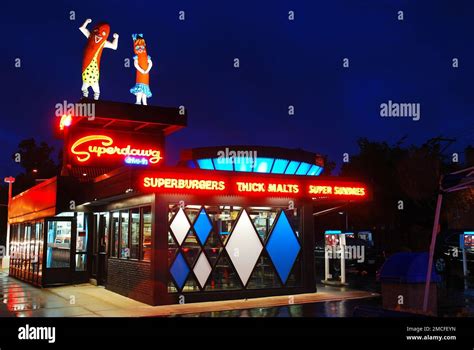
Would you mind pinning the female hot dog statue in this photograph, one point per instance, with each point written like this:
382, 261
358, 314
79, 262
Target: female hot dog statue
143, 64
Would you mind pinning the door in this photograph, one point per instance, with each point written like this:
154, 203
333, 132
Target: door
60, 253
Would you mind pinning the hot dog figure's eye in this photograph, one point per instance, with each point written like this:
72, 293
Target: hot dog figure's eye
103, 33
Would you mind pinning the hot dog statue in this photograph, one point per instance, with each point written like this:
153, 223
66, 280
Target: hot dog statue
96, 41
143, 64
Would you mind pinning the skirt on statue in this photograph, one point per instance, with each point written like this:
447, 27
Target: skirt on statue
143, 88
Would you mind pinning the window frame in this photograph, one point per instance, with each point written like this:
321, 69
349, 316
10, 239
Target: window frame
141, 230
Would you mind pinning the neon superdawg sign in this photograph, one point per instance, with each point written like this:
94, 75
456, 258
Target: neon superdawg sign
102, 147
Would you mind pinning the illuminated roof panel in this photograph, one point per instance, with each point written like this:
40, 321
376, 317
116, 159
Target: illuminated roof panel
279, 166
266, 165
205, 164
290, 170
303, 169
263, 165
223, 164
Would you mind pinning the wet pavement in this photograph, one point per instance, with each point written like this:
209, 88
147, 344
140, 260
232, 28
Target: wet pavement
342, 308
19, 299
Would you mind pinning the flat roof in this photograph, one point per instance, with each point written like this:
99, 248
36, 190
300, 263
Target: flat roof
131, 117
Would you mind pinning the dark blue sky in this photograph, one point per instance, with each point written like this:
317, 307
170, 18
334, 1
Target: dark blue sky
282, 63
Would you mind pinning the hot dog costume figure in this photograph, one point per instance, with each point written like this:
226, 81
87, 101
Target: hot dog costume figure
96, 41
143, 64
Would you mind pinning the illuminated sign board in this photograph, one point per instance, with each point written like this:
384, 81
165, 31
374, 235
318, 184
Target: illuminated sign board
264, 186
336, 190
193, 184
106, 148
466, 240
267, 187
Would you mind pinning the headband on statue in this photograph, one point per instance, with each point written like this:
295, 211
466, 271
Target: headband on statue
137, 36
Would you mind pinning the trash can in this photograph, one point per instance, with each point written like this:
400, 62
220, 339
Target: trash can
403, 278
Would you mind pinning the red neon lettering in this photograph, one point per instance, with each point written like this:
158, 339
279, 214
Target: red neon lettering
320, 189
283, 188
183, 184
99, 145
349, 191
250, 186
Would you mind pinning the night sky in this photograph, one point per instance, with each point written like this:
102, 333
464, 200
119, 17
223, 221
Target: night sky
282, 63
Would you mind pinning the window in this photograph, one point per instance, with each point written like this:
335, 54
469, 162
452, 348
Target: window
124, 249
146, 229
115, 234
81, 243
131, 234
105, 243
208, 248
59, 244
134, 233
39, 242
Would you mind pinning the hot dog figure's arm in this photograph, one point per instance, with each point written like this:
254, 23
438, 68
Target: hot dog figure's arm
83, 28
114, 44
150, 64
137, 67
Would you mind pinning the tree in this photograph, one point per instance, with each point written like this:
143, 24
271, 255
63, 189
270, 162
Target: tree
405, 182
36, 160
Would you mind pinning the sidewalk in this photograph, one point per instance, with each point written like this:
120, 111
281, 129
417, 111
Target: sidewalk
20, 299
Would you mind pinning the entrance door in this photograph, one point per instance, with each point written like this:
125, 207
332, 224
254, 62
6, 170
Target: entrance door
60, 253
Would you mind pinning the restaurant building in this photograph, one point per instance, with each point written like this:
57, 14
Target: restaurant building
225, 222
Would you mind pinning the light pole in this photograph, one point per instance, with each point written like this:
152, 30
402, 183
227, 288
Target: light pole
6, 259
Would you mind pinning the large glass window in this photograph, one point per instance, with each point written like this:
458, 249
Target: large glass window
115, 234
146, 240
104, 244
131, 234
39, 243
81, 243
124, 249
59, 244
215, 248
134, 233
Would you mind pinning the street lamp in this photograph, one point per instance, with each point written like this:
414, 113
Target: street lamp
6, 259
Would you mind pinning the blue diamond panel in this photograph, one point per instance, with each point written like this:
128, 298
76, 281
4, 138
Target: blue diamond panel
283, 247
179, 270
202, 226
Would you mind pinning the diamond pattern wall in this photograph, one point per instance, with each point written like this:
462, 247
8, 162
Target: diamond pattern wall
283, 246
202, 269
180, 226
244, 246
179, 270
202, 226
201, 246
